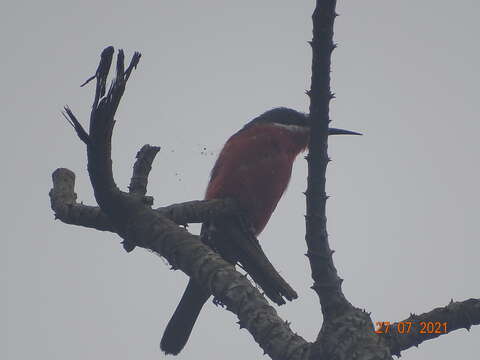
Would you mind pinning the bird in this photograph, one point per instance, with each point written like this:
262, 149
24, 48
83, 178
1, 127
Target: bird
254, 168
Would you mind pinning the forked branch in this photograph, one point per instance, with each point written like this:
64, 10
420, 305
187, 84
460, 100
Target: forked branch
130, 215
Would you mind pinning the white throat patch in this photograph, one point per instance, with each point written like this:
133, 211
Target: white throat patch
293, 128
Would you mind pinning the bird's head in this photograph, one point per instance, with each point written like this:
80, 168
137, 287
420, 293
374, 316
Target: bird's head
292, 120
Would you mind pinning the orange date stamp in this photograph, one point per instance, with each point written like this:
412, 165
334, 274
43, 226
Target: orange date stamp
406, 327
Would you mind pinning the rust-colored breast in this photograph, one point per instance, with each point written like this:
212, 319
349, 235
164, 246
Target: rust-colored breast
254, 167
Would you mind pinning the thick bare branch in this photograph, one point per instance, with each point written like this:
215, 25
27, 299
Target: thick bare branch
199, 211
416, 329
64, 204
234, 290
327, 284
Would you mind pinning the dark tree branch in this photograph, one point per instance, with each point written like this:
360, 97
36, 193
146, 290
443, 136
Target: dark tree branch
326, 282
199, 211
347, 332
65, 207
72, 120
416, 329
141, 170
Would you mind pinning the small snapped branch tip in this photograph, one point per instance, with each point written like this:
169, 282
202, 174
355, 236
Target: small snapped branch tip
88, 80
133, 64
120, 63
104, 56
128, 246
108, 51
72, 120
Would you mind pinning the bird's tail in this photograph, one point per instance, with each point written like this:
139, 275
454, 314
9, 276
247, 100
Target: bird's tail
254, 261
181, 324
235, 241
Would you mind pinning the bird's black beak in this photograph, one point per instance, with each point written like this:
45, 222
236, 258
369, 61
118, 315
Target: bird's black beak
335, 131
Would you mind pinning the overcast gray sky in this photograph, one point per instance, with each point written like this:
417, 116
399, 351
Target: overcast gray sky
403, 213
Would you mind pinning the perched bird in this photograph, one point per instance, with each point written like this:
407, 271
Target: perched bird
254, 168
